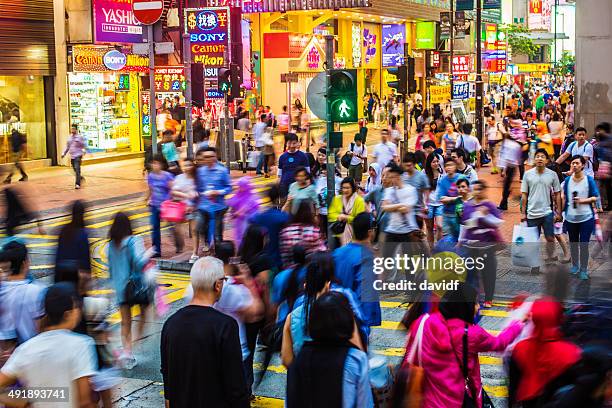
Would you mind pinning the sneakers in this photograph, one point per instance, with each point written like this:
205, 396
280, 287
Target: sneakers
127, 360
24, 178
574, 269
77, 187
193, 258
205, 249
494, 170
583, 275
487, 304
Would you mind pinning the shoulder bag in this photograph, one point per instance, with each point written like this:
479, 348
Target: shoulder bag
136, 291
337, 227
409, 380
468, 400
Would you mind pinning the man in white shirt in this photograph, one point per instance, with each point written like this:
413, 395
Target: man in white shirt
258, 135
580, 147
21, 301
470, 144
385, 151
399, 202
358, 152
56, 357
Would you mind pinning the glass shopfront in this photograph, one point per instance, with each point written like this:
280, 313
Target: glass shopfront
105, 98
22, 107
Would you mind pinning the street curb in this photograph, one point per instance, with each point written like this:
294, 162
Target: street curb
174, 266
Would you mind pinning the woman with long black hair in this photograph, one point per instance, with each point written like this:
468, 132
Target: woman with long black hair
332, 361
72, 259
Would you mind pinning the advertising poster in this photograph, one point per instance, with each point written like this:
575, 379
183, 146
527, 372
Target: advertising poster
114, 22
539, 14
246, 54
439, 94
461, 64
461, 90
445, 25
393, 39
170, 79
209, 33
426, 35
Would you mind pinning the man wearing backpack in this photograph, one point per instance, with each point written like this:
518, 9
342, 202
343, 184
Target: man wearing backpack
358, 152
470, 144
580, 147
18, 152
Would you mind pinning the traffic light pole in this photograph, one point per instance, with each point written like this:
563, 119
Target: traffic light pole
188, 118
331, 155
153, 102
479, 83
452, 45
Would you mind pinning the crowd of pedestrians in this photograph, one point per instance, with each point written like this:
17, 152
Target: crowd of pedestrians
297, 276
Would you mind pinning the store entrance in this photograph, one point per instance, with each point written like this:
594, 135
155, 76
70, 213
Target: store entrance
105, 107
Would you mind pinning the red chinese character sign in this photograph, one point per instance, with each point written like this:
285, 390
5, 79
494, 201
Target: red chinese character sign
461, 64
209, 33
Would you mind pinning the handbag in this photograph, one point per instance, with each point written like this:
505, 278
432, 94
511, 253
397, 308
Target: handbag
484, 157
409, 381
173, 211
337, 227
136, 291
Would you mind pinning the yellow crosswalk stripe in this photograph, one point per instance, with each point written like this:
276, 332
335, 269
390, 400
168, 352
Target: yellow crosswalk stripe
110, 222
267, 402
399, 352
494, 313
496, 391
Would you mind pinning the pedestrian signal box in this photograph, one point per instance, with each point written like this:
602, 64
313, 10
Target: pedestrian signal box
343, 95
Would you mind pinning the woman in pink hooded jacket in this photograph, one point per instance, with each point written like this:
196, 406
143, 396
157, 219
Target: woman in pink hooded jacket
442, 348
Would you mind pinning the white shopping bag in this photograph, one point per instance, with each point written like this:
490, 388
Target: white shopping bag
253, 158
526, 246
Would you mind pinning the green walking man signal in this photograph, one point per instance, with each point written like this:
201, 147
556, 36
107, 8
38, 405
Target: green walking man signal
343, 95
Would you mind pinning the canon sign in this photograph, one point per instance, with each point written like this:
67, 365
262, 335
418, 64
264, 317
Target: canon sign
114, 60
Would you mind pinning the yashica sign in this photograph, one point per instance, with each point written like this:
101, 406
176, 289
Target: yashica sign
114, 22
209, 34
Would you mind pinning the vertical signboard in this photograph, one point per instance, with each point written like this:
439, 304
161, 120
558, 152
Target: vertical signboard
393, 39
539, 14
426, 35
445, 25
114, 22
246, 54
209, 33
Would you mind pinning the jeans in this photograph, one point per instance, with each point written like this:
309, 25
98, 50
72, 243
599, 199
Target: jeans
76, 165
450, 225
488, 272
261, 162
206, 217
579, 236
508, 178
355, 171
156, 225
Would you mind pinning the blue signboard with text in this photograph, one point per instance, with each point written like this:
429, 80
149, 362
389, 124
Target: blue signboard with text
461, 90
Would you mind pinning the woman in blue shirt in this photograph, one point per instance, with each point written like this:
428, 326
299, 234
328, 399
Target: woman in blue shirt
126, 255
160, 186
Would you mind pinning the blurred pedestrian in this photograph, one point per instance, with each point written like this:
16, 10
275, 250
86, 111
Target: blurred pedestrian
213, 183
273, 221
184, 190
160, 186
72, 257
18, 151
126, 261
289, 162
69, 358
331, 361
302, 229
77, 148
243, 204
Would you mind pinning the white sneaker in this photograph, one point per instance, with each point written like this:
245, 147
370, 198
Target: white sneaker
127, 360
193, 258
205, 249
77, 187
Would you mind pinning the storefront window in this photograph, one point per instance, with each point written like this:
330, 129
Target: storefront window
22, 107
105, 107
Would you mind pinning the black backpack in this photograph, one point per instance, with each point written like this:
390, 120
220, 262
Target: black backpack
345, 161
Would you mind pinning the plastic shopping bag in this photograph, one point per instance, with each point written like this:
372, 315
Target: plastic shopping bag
526, 246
